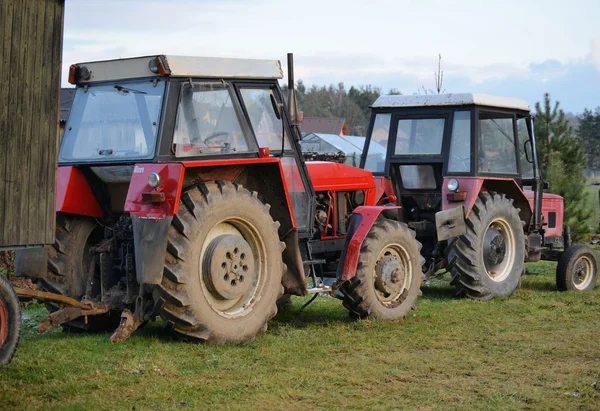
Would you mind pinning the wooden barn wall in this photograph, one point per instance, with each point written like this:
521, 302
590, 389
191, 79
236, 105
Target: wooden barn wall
30, 70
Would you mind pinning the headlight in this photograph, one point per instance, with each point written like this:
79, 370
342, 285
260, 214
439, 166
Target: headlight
154, 180
453, 184
359, 197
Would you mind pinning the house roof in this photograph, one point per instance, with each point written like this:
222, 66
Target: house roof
454, 99
66, 101
326, 125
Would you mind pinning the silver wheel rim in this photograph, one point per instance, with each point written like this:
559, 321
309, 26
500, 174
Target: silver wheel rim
583, 272
392, 274
232, 305
500, 271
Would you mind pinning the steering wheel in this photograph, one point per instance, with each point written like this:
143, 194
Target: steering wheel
217, 135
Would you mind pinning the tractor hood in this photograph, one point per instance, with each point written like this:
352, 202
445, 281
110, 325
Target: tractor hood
327, 176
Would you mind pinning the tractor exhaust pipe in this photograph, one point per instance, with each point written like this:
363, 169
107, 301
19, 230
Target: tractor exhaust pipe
291, 92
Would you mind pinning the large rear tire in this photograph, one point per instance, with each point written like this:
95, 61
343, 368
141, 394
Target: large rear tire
577, 269
68, 264
388, 276
223, 266
10, 321
488, 260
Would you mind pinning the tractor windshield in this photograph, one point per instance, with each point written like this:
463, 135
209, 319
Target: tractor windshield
110, 122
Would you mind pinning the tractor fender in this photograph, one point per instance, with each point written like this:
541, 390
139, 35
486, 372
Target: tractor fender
470, 187
360, 224
74, 195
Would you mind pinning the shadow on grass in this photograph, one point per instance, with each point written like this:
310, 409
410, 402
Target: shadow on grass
541, 286
439, 292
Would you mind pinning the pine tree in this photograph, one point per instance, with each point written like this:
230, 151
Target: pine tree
563, 162
589, 132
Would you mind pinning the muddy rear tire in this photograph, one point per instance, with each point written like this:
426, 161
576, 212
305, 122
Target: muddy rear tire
223, 267
68, 263
488, 260
10, 321
388, 276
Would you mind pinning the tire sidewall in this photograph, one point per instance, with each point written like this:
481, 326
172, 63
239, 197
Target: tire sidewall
238, 328
13, 309
505, 210
407, 241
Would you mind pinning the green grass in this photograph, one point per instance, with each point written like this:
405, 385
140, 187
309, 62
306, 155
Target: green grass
537, 350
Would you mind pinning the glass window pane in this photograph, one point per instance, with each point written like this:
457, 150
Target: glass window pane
524, 144
497, 144
207, 122
419, 136
113, 121
459, 160
377, 150
267, 127
417, 177
298, 196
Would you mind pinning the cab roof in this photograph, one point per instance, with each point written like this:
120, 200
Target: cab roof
454, 99
182, 66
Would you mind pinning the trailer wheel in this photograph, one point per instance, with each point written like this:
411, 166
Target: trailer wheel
223, 267
488, 260
10, 321
388, 276
577, 269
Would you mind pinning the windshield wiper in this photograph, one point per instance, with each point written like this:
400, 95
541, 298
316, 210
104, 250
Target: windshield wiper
127, 89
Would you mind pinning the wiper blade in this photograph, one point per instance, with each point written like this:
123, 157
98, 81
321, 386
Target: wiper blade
127, 89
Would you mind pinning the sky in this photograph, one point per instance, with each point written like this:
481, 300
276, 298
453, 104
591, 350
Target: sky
516, 48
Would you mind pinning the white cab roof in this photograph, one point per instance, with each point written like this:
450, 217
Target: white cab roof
184, 66
454, 99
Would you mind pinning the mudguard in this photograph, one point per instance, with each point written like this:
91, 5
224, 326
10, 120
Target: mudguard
359, 226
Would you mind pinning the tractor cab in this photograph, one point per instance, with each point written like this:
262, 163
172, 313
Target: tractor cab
429, 150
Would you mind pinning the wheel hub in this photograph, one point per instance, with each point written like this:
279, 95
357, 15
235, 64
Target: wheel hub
228, 267
494, 247
3, 323
389, 275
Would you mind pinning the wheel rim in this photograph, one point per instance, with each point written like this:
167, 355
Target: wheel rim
583, 272
233, 267
393, 275
3, 323
499, 250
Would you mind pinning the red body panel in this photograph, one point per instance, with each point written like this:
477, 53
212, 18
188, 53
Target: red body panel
550, 203
369, 216
171, 175
329, 176
471, 186
73, 193
383, 187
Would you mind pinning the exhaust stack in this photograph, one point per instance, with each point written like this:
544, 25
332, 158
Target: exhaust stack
293, 107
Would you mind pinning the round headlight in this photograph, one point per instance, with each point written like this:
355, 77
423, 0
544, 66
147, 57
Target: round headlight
453, 184
154, 180
359, 197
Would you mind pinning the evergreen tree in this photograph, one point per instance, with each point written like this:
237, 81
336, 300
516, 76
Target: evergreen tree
589, 132
563, 161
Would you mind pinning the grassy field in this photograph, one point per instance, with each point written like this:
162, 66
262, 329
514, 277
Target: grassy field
537, 350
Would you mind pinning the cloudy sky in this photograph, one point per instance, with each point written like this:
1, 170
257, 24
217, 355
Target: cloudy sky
519, 48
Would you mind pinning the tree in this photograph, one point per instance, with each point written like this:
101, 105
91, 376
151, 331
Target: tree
589, 132
563, 161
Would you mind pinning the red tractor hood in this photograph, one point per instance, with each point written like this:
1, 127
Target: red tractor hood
329, 176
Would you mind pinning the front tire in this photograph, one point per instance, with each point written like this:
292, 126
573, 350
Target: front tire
10, 321
388, 276
488, 260
577, 269
223, 267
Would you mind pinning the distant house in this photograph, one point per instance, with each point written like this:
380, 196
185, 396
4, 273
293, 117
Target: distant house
324, 125
66, 101
351, 146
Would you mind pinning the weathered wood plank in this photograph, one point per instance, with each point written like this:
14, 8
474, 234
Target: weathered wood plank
30, 67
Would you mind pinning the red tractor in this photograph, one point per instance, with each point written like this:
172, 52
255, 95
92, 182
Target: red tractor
464, 169
182, 193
